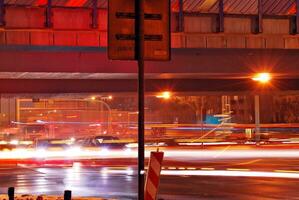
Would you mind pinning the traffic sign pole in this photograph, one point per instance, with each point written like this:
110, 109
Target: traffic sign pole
139, 54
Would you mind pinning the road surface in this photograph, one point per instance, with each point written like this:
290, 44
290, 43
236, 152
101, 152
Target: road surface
208, 179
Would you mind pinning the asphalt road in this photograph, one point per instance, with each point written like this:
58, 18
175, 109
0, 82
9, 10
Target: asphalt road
214, 180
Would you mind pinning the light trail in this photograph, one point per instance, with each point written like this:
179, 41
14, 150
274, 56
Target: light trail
230, 173
103, 153
212, 172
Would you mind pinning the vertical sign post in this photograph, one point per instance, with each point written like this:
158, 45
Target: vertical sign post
139, 30
139, 55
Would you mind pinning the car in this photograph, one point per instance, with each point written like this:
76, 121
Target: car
101, 141
52, 144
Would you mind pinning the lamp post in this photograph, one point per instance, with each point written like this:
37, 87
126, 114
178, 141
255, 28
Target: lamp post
109, 120
261, 78
257, 118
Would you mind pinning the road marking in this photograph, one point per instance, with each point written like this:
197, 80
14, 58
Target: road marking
249, 162
171, 168
30, 168
221, 152
287, 171
207, 168
235, 169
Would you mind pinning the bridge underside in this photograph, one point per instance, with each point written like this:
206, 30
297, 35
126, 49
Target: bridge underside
79, 69
52, 86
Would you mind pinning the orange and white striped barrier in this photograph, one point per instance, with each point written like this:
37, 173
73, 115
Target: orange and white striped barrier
153, 175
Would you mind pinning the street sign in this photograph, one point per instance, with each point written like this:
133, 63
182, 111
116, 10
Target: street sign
121, 30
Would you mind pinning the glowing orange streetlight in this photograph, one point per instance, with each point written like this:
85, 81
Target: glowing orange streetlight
164, 95
262, 77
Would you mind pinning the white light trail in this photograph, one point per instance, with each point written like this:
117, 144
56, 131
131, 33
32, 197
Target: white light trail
184, 154
229, 173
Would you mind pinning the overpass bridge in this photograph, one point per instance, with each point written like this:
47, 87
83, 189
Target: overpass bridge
217, 45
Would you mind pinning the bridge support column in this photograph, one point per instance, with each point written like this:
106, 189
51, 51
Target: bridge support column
297, 16
94, 13
181, 16
220, 27
2, 10
259, 20
48, 22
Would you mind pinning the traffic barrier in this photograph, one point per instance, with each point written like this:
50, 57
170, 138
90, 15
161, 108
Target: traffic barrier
67, 195
153, 175
11, 193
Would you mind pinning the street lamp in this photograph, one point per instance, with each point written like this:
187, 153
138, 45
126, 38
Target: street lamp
262, 78
164, 95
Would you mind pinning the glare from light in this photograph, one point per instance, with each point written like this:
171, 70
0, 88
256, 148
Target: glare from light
77, 166
262, 77
104, 151
130, 172
74, 151
164, 95
132, 145
93, 98
41, 153
110, 97
14, 142
127, 151
26, 142
72, 139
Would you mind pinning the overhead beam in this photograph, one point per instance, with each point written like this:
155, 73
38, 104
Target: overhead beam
203, 61
30, 86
